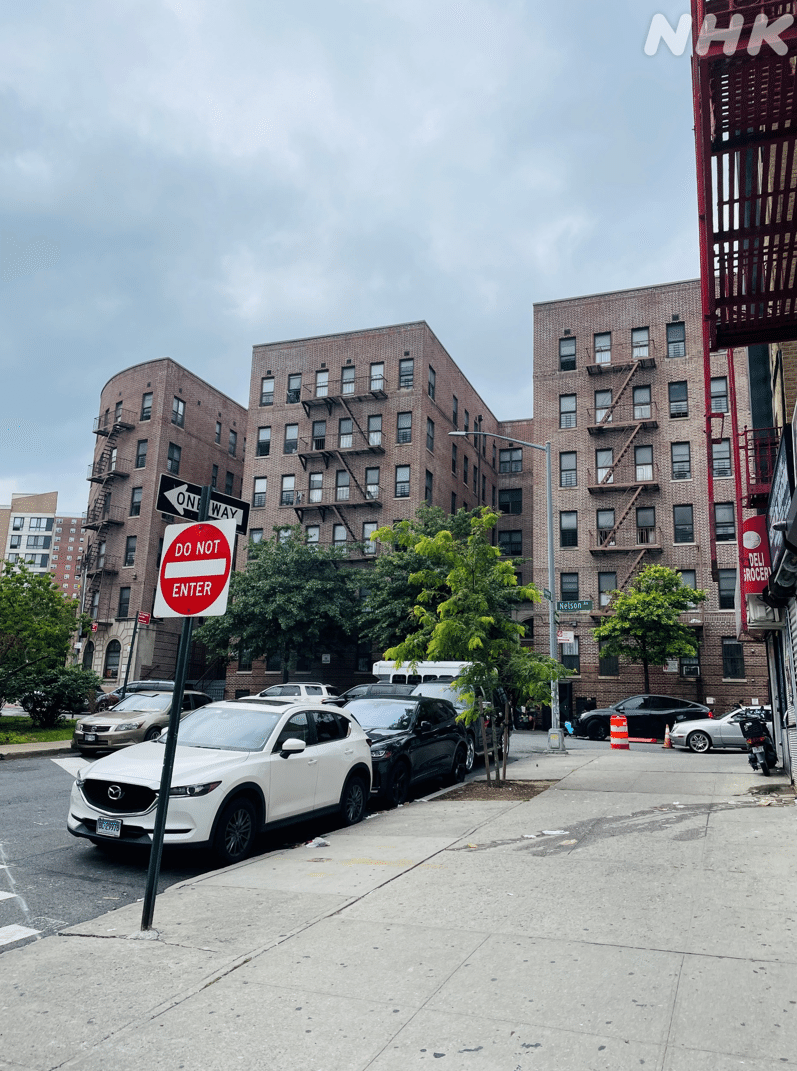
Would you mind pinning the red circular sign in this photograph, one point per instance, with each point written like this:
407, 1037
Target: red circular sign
195, 569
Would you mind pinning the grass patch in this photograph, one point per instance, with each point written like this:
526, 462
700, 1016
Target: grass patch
21, 730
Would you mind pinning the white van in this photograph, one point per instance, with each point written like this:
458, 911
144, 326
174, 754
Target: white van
422, 671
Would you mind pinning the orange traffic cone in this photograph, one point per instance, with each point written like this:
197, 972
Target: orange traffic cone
667, 741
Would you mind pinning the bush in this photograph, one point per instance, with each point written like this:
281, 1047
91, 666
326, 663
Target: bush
50, 695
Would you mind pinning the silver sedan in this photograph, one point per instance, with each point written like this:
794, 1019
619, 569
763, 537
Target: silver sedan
707, 733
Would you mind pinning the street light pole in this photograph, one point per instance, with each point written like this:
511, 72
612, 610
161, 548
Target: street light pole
553, 647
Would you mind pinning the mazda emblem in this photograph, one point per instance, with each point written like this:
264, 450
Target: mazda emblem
115, 792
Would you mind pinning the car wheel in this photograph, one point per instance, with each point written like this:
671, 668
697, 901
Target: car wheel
153, 733
235, 834
698, 742
459, 765
597, 730
470, 757
398, 785
353, 802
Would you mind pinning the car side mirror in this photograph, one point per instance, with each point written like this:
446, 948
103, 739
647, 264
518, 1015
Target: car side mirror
291, 746
424, 727
621, 708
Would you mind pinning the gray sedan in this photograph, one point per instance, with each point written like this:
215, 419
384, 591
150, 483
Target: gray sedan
707, 733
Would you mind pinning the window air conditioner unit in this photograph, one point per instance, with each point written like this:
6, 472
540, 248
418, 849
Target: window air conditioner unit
690, 671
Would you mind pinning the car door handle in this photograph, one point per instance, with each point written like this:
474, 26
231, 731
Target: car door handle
312, 762
348, 751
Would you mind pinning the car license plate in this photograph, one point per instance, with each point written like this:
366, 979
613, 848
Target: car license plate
758, 752
109, 827
89, 736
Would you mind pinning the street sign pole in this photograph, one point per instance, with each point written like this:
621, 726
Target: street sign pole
153, 873
130, 657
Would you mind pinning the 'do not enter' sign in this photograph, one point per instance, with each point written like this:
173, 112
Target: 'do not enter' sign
194, 574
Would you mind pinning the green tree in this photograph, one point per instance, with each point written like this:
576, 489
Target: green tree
36, 623
461, 612
644, 625
50, 694
293, 599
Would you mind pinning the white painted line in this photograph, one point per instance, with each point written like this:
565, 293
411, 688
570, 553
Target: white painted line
210, 567
71, 765
7, 895
9, 934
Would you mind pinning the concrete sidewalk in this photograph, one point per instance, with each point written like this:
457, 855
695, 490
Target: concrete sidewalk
638, 914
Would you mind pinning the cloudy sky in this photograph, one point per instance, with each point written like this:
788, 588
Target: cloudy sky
187, 178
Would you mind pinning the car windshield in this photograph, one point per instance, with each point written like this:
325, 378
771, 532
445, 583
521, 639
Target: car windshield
144, 701
440, 690
229, 729
382, 713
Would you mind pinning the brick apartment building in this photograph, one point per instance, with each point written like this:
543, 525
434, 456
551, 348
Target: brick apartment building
349, 432
156, 417
32, 530
619, 391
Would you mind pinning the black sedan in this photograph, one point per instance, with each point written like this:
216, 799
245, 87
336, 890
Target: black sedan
412, 739
647, 716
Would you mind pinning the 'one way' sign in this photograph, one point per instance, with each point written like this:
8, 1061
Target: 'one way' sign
180, 498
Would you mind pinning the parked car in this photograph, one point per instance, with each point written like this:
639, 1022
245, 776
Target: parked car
137, 717
411, 739
447, 690
647, 715
240, 767
106, 700
302, 689
708, 733
380, 690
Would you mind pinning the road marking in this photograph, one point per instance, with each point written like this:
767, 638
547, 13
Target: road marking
9, 934
71, 765
7, 895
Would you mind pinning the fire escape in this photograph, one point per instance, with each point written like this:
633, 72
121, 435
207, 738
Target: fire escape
102, 516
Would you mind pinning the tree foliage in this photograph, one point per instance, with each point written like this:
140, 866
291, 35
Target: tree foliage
292, 598
53, 693
644, 626
36, 623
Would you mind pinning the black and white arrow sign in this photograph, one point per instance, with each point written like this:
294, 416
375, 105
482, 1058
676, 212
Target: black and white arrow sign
181, 499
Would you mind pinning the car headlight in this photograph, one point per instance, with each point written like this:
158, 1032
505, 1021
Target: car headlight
194, 790
79, 727
381, 752
126, 726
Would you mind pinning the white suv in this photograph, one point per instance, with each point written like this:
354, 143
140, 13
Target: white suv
305, 690
239, 767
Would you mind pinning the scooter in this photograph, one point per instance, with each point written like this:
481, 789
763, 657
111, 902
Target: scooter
759, 745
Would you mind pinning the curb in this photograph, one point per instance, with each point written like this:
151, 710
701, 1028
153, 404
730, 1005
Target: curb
32, 751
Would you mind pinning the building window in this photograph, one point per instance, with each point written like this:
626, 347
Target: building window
113, 652
19, 522
259, 496
455, 410
146, 406
511, 500
402, 481
453, 503
721, 458
603, 403
678, 392
288, 489
603, 348
229, 483
266, 392
16, 542
291, 441
568, 528
466, 427
511, 543
732, 658
640, 343
607, 585
130, 550
316, 486
465, 468
232, 445
567, 410
642, 404
427, 494
347, 380
726, 584
568, 475
475, 476
510, 460
173, 459
432, 381
294, 392
725, 521
345, 433
688, 578
141, 453
321, 384
319, 434
313, 534
375, 430
683, 524
719, 395
372, 482
135, 501
217, 437
676, 340
429, 434
604, 463
608, 665
643, 461
124, 602
378, 376
244, 661
214, 476
568, 585
681, 461
369, 546
339, 535
406, 373
255, 535
43, 543
342, 485
645, 525
571, 659
567, 354
404, 428
453, 459
178, 412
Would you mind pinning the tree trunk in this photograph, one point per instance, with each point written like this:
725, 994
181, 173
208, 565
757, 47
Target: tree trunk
484, 743
495, 748
647, 676
507, 715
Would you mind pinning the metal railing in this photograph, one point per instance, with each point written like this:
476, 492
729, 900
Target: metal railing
358, 387
105, 423
105, 468
346, 495
97, 516
622, 415
625, 539
625, 475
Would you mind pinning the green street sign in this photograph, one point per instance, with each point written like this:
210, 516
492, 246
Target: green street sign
574, 607
547, 594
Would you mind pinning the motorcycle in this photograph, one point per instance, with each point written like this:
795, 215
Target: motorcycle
759, 745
